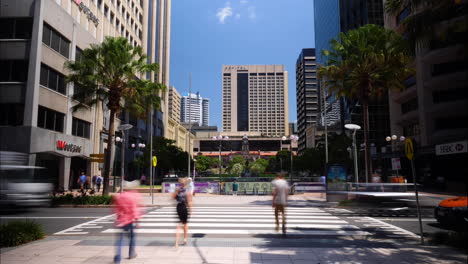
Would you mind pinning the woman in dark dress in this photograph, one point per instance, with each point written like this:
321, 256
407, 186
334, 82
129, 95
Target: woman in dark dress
184, 200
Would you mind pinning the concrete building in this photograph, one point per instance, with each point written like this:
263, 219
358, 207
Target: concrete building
433, 107
255, 98
307, 94
196, 109
174, 103
39, 37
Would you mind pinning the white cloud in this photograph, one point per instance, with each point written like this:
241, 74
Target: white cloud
251, 11
224, 12
244, 2
238, 16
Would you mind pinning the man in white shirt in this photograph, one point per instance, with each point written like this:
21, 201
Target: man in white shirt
280, 200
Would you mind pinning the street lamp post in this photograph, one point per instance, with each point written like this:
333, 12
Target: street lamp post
293, 138
122, 128
220, 138
138, 147
354, 128
393, 140
281, 148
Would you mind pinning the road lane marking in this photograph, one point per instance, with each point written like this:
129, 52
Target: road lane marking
50, 217
77, 230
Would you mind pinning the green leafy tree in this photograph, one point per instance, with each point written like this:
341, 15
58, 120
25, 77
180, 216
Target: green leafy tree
204, 163
236, 159
109, 72
237, 169
364, 64
311, 160
258, 166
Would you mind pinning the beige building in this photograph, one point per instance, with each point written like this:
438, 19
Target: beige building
255, 98
433, 107
174, 103
36, 103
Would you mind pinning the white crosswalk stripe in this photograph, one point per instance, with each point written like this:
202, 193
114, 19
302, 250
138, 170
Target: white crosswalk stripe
245, 221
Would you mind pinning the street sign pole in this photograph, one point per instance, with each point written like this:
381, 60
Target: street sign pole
409, 151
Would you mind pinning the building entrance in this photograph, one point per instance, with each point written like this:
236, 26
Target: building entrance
77, 166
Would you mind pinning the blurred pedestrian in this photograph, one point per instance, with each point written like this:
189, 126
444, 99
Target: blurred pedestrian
143, 179
184, 203
82, 181
93, 182
99, 182
235, 187
190, 186
280, 200
127, 208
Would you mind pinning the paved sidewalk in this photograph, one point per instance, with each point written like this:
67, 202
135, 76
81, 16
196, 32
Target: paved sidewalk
70, 251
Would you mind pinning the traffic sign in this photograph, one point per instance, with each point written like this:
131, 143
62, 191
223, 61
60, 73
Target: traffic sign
155, 161
100, 156
97, 160
409, 148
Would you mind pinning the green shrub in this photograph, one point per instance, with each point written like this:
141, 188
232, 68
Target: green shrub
82, 200
18, 232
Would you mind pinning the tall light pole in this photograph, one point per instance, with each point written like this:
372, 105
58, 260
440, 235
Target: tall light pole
220, 138
354, 128
124, 140
393, 140
281, 148
293, 138
138, 147
190, 122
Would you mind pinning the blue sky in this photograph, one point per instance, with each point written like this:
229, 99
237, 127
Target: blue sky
209, 33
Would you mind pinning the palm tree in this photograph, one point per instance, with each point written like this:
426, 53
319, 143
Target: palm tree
364, 64
110, 72
443, 20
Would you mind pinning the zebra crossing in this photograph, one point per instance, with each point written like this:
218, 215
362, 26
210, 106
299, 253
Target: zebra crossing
245, 221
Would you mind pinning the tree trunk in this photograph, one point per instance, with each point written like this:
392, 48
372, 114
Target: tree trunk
110, 146
365, 115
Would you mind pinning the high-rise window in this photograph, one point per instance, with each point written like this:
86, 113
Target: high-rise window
52, 79
80, 128
13, 70
16, 28
242, 102
50, 119
11, 114
56, 41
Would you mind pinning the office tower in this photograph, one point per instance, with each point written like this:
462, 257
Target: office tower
331, 18
174, 104
432, 109
255, 98
307, 94
205, 111
37, 38
194, 109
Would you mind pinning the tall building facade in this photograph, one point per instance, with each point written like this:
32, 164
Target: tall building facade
36, 115
195, 109
335, 16
307, 94
255, 98
174, 103
432, 109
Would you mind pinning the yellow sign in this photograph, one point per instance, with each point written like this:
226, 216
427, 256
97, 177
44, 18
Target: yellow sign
155, 161
97, 160
99, 156
409, 148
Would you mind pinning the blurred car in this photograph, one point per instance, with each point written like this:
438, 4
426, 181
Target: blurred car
452, 212
22, 185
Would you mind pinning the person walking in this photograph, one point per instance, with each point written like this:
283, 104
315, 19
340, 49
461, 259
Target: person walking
82, 181
280, 200
190, 186
184, 203
127, 209
93, 182
98, 182
143, 179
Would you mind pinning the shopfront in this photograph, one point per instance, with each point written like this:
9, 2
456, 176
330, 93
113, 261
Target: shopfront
64, 156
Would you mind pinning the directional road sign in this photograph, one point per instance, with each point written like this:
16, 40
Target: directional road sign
409, 148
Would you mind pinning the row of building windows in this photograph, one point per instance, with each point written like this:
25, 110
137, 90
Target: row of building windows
13, 70
53, 120
52, 79
16, 27
55, 40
